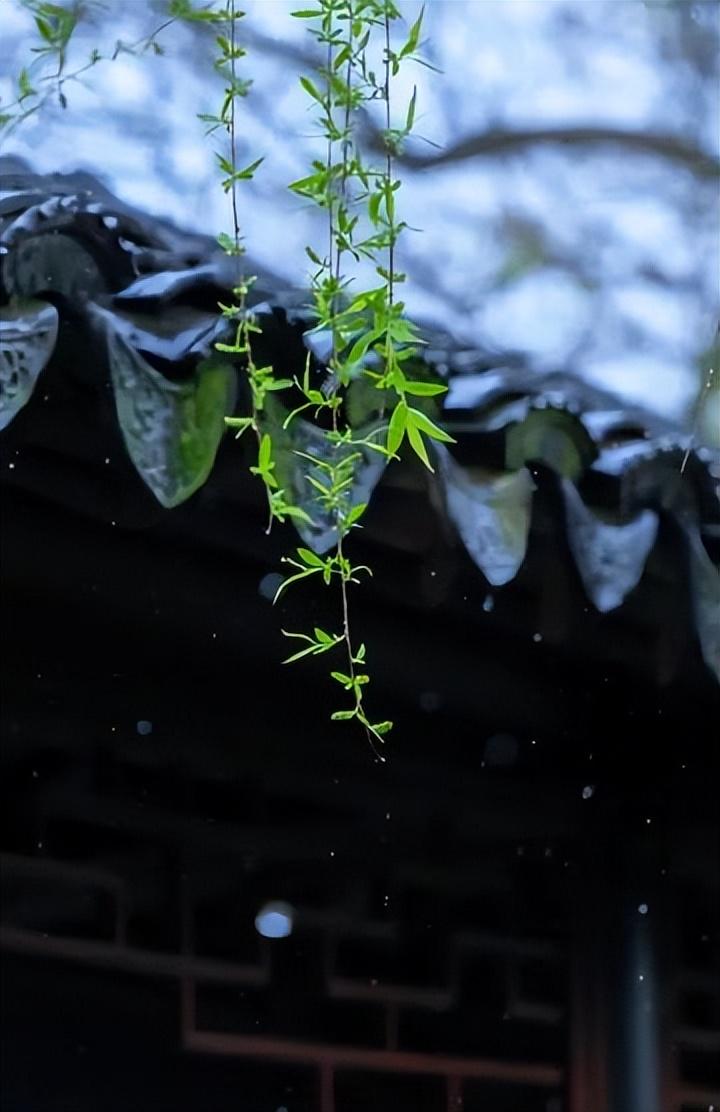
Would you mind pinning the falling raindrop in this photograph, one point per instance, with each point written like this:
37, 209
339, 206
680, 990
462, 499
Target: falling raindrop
588, 791
269, 584
643, 909
275, 920
488, 604
144, 727
537, 637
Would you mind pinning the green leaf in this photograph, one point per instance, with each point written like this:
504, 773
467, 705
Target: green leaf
424, 389
295, 514
360, 347
311, 650
418, 445
25, 87
313, 257
374, 202
247, 173
307, 13
311, 90
355, 513
45, 29
293, 579
413, 38
420, 421
343, 715
310, 558
410, 119
396, 427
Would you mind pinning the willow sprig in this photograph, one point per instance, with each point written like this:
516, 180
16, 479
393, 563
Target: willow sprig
261, 380
371, 338
56, 25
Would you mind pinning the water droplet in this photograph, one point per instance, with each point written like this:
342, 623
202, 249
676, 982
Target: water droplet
332, 852
648, 821
643, 909
537, 637
144, 727
488, 604
35, 774
269, 584
11, 467
588, 791
641, 977
275, 920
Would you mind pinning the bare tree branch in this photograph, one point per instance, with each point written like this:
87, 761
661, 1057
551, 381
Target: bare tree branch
497, 142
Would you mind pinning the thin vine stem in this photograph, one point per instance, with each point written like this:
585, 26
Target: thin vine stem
388, 162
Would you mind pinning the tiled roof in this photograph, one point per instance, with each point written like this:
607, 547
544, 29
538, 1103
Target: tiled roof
81, 268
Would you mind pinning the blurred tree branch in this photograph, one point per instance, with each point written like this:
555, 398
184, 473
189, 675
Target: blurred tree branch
499, 142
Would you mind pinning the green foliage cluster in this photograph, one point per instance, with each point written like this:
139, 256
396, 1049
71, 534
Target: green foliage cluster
56, 24
371, 337
374, 347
